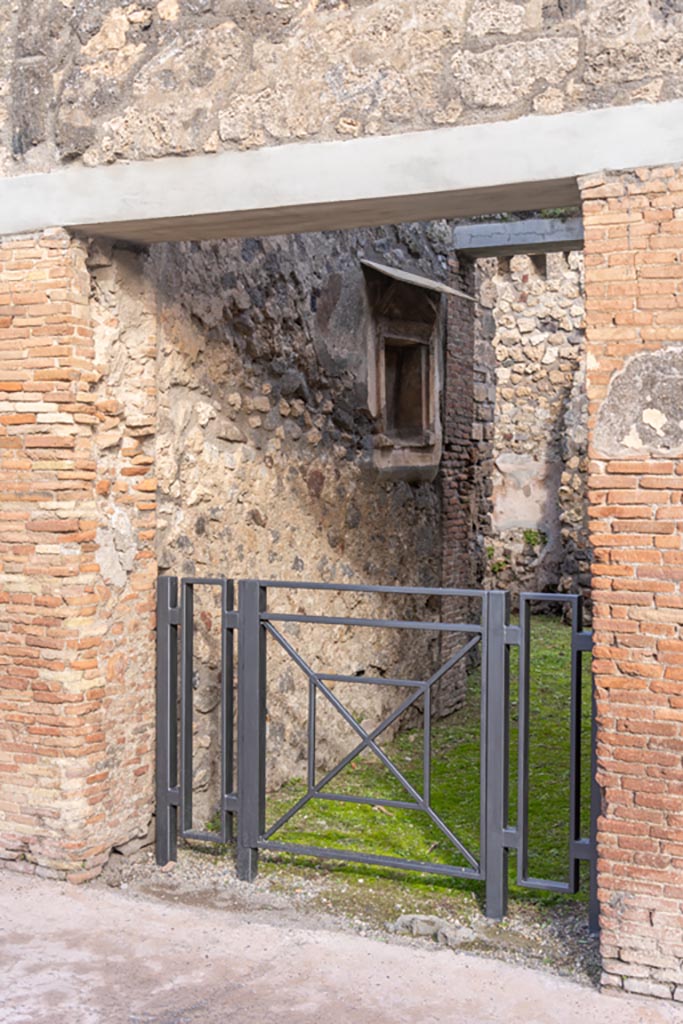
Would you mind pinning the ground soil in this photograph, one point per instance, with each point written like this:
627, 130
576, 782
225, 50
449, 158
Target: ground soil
172, 949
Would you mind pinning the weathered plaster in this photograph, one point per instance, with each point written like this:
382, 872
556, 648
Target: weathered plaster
642, 414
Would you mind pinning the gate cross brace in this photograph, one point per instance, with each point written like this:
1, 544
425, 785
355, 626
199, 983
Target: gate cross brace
368, 739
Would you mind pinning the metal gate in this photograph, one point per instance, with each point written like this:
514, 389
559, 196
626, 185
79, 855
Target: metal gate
255, 626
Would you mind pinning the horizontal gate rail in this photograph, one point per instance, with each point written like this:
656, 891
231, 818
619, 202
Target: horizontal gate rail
370, 589
377, 860
339, 620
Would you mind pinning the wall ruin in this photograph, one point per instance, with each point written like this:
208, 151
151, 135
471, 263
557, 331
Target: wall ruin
265, 468
236, 422
109, 80
522, 479
535, 537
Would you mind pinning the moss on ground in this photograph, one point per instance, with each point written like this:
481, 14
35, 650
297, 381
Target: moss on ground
375, 895
455, 794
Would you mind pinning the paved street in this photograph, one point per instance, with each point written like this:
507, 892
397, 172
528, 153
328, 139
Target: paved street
89, 955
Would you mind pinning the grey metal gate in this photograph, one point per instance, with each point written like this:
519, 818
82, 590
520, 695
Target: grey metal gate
254, 625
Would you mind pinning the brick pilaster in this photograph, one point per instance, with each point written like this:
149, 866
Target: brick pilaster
76, 652
634, 293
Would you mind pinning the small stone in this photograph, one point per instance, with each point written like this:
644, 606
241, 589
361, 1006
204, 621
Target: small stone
168, 9
419, 925
348, 126
142, 18
230, 432
272, 420
135, 845
549, 102
204, 412
455, 936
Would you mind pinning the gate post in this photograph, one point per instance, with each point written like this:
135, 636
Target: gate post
251, 727
496, 745
167, 720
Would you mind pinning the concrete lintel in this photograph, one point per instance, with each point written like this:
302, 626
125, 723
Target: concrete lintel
540, 235
530, 163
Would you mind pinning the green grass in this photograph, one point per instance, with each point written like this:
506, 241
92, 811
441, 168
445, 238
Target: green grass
455, 784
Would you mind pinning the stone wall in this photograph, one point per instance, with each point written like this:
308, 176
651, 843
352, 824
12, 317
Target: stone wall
527, 508
634, 230
230, 382
77, 563
459, 506
264, 463
105, 80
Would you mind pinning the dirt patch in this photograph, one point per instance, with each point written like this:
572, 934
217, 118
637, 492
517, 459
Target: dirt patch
548, 934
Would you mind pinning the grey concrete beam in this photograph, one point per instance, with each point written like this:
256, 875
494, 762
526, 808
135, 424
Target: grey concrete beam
540, 235
530, 163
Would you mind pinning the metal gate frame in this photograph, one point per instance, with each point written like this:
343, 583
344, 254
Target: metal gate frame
254, 624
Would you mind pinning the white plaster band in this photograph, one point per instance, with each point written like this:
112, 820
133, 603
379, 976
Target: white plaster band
529, 163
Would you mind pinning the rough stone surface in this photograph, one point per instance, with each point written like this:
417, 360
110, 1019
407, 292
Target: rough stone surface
104, 80
527, 446
427, 926
232, 382
264, 466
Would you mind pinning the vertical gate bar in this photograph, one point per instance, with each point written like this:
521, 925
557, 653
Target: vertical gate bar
483, 725
497, 753
227, 705
427, 748
523, 697
251, 735
311, 733
186, 709
166, 720
596, 801
575, 745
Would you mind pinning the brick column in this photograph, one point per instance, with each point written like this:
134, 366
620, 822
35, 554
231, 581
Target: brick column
634, 292
457, 470
457, 465
76, 650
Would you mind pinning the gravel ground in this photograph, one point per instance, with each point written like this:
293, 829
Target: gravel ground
552, 936
200, 948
